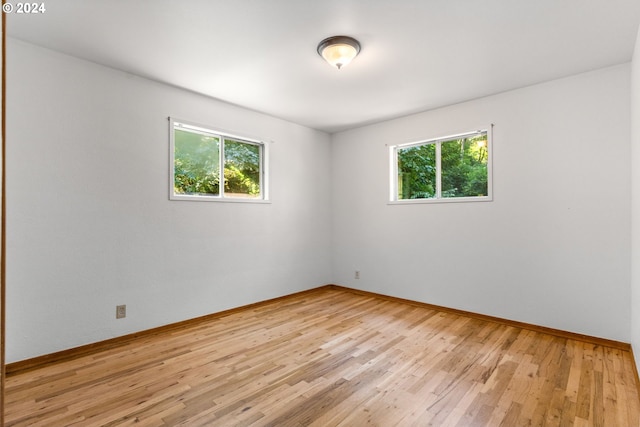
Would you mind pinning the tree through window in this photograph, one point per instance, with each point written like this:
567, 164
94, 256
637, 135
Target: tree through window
456, 167
209, 165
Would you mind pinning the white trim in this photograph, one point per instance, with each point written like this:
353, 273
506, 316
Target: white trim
222, 136
444, 138
264, 169
221, 160
215, 131
194, 198
393, 172
393, 168
443, 200
438, 170
490, 161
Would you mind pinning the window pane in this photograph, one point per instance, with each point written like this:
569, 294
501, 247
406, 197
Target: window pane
464, 167
196, 164
241, 169
417, 172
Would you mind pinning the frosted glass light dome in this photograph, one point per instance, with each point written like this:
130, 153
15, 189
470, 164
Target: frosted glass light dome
339, 51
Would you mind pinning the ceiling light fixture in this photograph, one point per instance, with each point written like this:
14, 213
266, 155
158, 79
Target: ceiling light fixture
339, 50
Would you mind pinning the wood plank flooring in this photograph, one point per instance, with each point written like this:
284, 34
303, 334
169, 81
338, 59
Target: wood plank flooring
335, 358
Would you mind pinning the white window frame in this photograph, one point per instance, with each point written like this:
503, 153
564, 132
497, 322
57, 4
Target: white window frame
393, 169
222, 135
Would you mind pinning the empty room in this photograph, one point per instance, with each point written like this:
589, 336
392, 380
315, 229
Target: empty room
320, 213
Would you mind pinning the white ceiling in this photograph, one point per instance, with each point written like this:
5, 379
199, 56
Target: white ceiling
416, 54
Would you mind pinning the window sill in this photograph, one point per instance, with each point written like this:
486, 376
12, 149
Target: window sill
218, 200
449, 200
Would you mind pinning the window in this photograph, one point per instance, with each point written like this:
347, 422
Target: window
211, 165
454, 168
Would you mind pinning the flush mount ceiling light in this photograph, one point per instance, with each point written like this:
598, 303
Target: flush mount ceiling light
339, 50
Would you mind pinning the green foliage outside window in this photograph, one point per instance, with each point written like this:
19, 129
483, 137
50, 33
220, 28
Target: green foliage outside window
197, 165
463, 164
241, 169
417, 172
464, 167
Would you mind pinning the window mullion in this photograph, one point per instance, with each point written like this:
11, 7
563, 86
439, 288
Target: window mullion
393, 173
221, 167
261, 174
438, 170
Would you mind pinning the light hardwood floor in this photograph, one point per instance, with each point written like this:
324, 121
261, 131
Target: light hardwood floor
335, 358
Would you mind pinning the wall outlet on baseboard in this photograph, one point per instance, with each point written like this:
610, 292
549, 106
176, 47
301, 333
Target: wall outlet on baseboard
121, 311
357, 275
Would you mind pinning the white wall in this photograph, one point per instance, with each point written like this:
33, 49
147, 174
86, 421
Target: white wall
90, 223
553, 247
635, 212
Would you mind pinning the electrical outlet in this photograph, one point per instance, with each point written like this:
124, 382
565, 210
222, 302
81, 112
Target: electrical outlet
357, 276
121, 311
